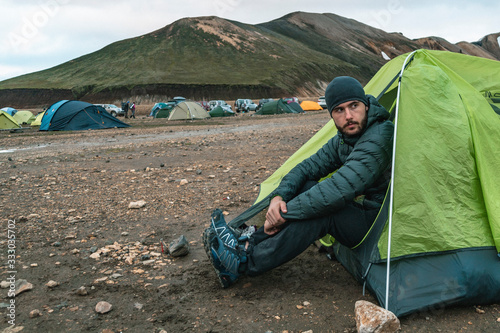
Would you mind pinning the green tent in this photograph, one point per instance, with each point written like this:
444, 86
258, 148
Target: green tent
163, 112
7, 121
218, 111
38, 119
277, 107
24, 117
436, 240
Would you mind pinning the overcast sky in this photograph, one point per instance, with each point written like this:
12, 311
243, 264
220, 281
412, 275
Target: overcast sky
39, 34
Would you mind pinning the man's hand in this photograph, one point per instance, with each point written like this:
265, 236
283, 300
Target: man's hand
274, 220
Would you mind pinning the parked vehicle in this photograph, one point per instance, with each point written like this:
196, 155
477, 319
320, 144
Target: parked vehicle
221, 103
178, 99
322, 102
292, 99
244, 105
205, 105
114, 110
263, 101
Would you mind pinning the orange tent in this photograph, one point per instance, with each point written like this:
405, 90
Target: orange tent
310, 106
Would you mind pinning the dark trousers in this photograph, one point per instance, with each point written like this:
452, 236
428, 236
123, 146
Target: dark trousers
348, 226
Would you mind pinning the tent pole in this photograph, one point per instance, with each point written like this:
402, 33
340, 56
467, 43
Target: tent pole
391, 195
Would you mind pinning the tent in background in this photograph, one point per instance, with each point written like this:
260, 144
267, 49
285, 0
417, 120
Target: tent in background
38, 119
278, 107
310, 106
163, 112
7, 121
187, 111
24, 117
436, 240
296, 107
77, 115
9, 110
159, 106
218, 111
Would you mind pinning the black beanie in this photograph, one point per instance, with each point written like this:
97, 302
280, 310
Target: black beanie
343, 89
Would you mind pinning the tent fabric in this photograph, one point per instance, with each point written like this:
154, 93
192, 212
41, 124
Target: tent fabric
445, 235
188, 111
10, 111
296, 107
163, 112
277, 107
157, 107
7, 121
77, 115
24, 117
38, 119
218, 111
310, 106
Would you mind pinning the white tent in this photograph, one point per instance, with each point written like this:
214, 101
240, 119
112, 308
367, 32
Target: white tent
188, 110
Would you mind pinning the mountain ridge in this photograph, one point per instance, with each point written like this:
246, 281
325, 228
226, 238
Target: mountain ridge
209, 57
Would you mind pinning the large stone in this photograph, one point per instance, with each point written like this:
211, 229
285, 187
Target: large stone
371, 318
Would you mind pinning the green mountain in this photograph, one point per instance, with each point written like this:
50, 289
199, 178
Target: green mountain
210, 57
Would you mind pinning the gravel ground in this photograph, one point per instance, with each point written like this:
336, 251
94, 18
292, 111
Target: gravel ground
77, 242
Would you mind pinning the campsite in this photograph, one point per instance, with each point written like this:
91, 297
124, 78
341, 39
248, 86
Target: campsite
96, 211
69, 193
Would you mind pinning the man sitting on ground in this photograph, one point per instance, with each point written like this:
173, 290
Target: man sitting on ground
303, 210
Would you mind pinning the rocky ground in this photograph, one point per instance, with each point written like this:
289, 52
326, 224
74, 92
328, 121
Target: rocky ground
82, 249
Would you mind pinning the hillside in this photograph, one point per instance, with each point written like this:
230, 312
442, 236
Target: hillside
210, 57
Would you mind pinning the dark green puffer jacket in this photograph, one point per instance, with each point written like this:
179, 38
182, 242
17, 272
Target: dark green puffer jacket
363, 168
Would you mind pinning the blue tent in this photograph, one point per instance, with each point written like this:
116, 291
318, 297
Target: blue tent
10, 111
77, 115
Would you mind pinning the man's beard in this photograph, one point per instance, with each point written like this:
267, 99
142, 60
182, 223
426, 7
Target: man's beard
361, 128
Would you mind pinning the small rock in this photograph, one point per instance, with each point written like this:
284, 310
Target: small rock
184, 182
82, 291
22, 286
103, 307
56, 244
374, 319
4, 284
95, 255
137, 204
124, 233
138, 306
52, 284
179, 247
35, 313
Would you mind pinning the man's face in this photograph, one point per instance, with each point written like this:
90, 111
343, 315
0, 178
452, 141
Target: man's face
350, 117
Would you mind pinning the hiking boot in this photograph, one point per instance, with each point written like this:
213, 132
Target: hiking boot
225, 260
223, 231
